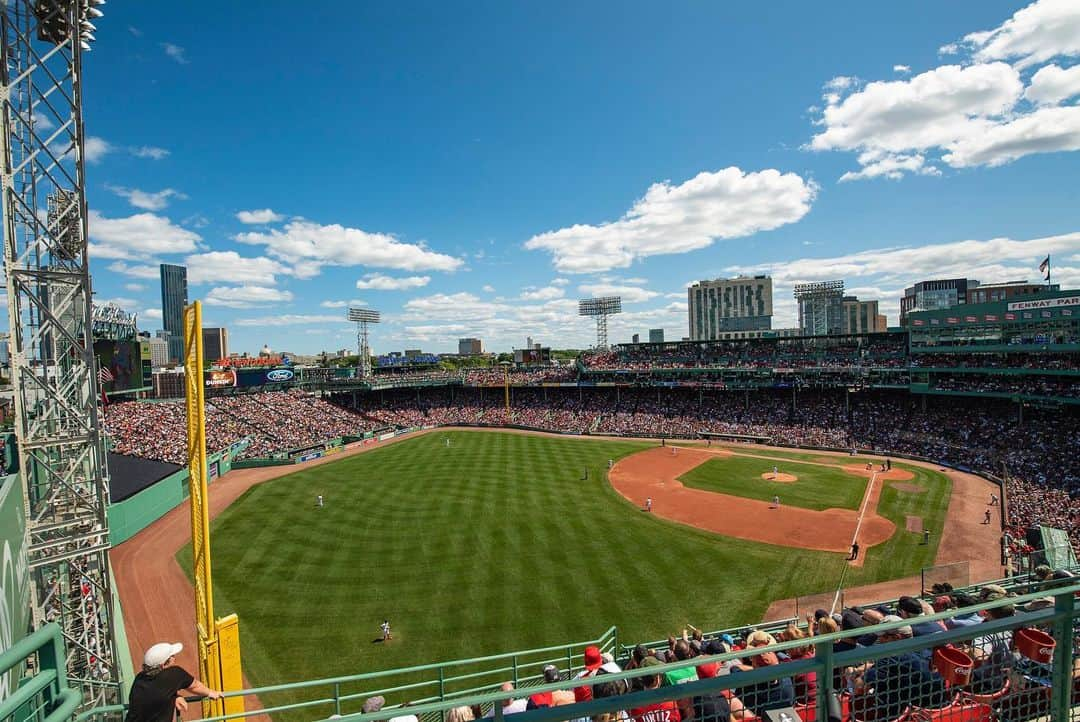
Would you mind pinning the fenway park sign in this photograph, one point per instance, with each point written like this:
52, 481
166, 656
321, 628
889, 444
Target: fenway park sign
1045, 303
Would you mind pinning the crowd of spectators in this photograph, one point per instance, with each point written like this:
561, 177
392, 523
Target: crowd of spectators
1042, 361
521, 376
1027, 385
273, 422
888, 351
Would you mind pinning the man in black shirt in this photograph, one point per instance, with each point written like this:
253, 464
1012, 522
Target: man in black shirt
155, 693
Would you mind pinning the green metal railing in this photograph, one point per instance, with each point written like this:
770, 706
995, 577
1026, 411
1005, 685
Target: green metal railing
1021, 687
1015, 684
45, 695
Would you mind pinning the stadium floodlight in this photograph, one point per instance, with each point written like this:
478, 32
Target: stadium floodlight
362, 317
57, 420
819, 306
600, 308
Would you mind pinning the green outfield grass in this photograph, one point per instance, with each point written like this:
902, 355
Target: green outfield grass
818, 487
492, 545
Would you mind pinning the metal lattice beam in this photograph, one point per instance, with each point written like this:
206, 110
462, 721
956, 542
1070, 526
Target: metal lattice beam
49, 314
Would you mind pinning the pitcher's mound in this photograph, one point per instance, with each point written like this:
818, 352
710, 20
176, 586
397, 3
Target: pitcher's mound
779, 476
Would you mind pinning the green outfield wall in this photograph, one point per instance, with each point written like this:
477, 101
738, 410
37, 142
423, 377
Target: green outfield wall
14, 577
130, 516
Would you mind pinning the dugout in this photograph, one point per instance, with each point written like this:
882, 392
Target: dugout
742, 438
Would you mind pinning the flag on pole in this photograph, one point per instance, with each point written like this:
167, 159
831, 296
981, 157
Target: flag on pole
104, 375
1044, 267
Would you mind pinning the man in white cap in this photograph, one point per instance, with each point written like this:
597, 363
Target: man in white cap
156, 692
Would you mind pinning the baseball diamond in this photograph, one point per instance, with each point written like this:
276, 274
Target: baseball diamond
405, 520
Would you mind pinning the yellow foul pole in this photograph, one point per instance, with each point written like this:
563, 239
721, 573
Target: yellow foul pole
209, 668
219, 640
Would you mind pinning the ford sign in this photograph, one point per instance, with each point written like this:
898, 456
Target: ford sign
278, 375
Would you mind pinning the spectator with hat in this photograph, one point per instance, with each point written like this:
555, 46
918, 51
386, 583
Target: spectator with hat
593, 661
911, 609
156, 691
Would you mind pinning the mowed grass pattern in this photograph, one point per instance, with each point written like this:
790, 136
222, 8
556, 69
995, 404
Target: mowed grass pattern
818, 487
491, 545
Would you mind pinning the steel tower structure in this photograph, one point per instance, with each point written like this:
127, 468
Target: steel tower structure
53, 370
600, 308
362, 317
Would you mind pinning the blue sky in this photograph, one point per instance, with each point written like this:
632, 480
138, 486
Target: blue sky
474, 168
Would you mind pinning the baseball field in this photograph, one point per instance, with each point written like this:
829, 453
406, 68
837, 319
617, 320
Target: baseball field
503, 541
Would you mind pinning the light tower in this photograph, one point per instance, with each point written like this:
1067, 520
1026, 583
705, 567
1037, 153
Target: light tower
362, 317
53, 369
820, 307
600, 308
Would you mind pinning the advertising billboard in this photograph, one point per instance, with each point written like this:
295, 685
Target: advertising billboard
246, 378
121, 365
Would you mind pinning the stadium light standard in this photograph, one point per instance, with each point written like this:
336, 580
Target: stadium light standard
506, 386
362, 317
600, 309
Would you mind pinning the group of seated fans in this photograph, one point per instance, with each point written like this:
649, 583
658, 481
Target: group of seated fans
874, 690
273, 422
888, 351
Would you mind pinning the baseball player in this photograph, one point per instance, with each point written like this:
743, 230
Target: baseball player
648, 504
319, 501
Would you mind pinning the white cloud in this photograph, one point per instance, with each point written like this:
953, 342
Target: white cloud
840, 82
902, 69
1034, 34
94, 148
125, 303
134, 287
547, 293
931, 109
355, 303
154, 313
309, 246
231, 267
245, 296
214, 267
888, 270
149, 151
488, 288
145, 199
1043, 131
1051, 84
289, 319
175, 52
629, 294
382, 282
137, 236
949, 49
889, 165
145, 271
679, 218
560, 282
264, 215
453, 307
974, 113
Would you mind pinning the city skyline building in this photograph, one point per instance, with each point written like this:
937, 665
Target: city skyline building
174, 297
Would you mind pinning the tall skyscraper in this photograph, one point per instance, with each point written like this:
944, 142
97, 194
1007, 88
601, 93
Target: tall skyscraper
173, 299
